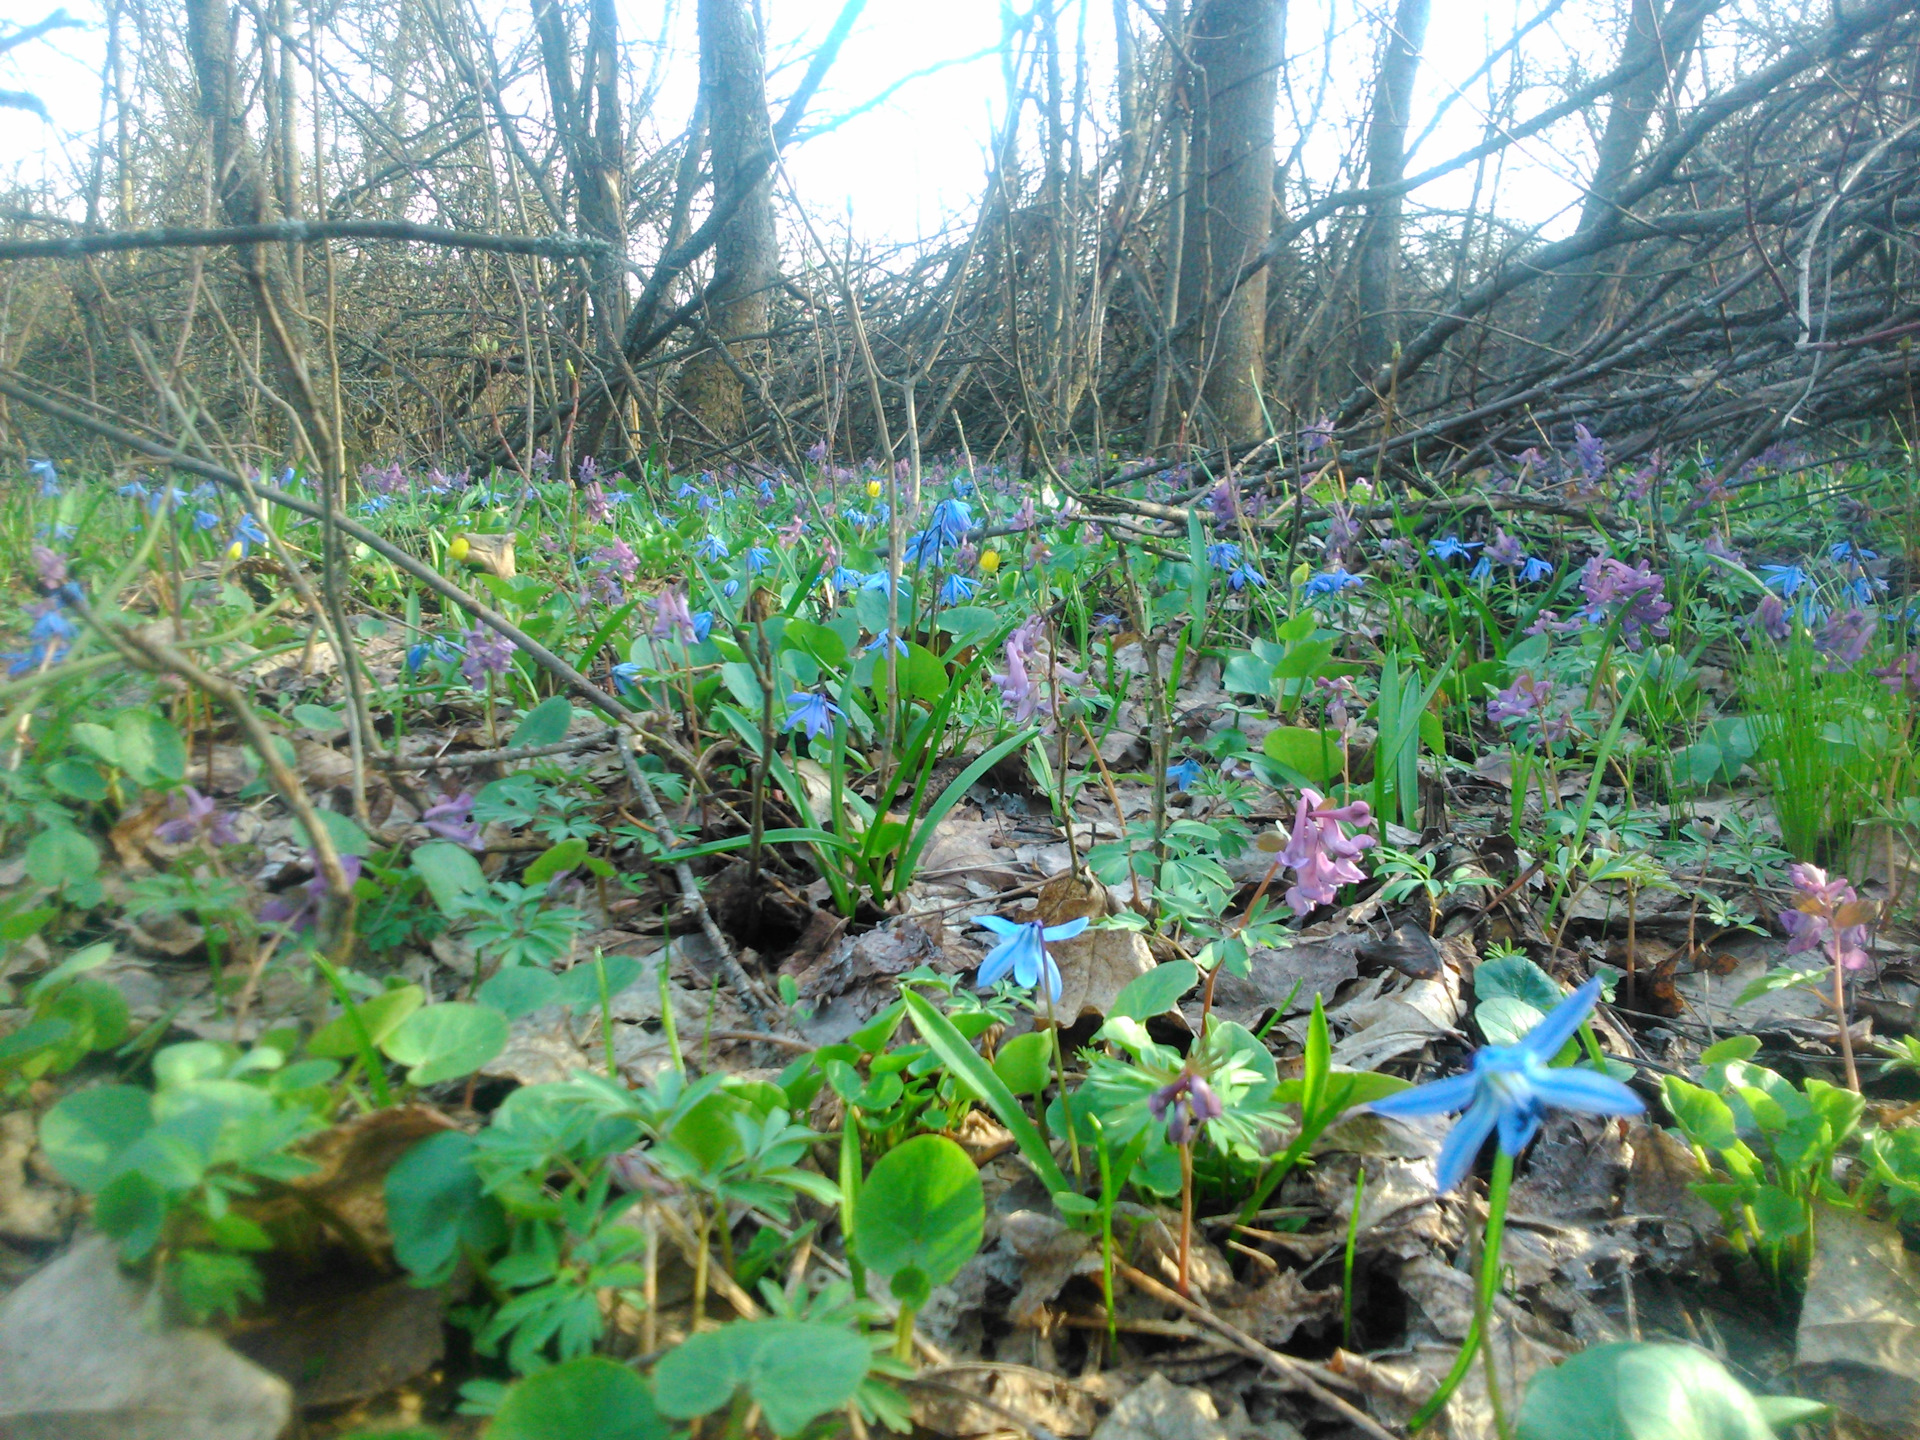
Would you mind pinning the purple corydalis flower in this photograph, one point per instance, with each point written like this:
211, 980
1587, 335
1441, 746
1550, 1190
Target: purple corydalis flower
1829, 916
619, 558
1335, 691
285, 909
1224, 501
451, 818
817, 451
1590, 451
1634, 593
487, 655
1316, 435
1510, 1087
1771, 619
195, 816
594, 503
1505, 549
1320, 853
1903, 676
1845, 639
1186, 1105
50, 567
672, 619
1342, 530
1521, 698
1022, 952
1717, 545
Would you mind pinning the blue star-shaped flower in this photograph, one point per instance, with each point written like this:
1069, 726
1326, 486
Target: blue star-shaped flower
1182, 774
957, 590
1244, 576
1451, 547
1223, 554
248, 534
812, 711
626, 679
1510, 1086
845, 577
925, 547
1332, 582
1022, 952
953, 518
758, 559
1535, 570
49, 478
1788, 580
712, 548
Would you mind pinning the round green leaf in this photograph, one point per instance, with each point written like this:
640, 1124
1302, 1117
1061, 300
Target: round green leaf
319, 718
444, 1042
808, 1370
1025, 1063
78, 780
1640, 1392
59, 855
86, 1134
450, 872
545, 724
381, 1015
922, 1205
519, 990
434, 1200
1155, 992
1505, 1019
591, 1398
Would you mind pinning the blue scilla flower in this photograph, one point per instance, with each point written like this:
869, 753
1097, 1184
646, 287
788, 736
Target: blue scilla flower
374, 504
1182, 774
712, 548
879, 642
1846, 550
706, 503
879, 580
1482, 568
1535, 570
51, 626
132, 490
926, 546
953, 518
766, 490
811, 711
419, 654
1223, 554
1861, 589
702, 625
205, 520
626, 679
957, 591
845, 577
758, 559
730, 589
882, 512
1022, 952
248, 534
1451, 547
205, 490
1788, 580
1510, 1087
165, 495
49, 478
1244, 576
685, 490
1332, 582
855, 518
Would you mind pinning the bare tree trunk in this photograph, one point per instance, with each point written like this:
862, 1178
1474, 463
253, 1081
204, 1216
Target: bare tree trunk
1650, 40
591, 131
1173, 242
1378, 261
246, 200
746, 256
1229, 204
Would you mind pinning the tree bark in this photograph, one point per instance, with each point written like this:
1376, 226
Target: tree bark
592, 134
1235, 45
1378, 260
746, 255
1650, 38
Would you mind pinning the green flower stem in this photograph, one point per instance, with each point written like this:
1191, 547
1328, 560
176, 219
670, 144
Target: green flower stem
363, 1042
1060, 1070
1346, 1263
1487, 1281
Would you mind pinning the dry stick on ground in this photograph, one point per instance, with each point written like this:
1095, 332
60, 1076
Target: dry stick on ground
151, 654
446, 589
1308, 1377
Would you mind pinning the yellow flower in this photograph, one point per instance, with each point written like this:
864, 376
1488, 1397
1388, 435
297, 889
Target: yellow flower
459, 548
873, 489
989, 561
235, 551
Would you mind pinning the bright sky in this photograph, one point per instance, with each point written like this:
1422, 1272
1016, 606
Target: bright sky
902, 166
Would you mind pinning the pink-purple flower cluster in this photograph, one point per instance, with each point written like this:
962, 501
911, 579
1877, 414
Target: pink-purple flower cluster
1634, 593
1829, 917
487, 654
1021, 690
1321, 854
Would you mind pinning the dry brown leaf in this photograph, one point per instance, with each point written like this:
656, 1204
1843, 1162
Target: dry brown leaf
1160, 1410
340, 1348
1858, 1345
1095, 966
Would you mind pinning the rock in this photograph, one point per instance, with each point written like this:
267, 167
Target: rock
84, 1357
1858, 1347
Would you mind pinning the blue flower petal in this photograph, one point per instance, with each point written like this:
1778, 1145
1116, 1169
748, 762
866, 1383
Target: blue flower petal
1518, 1125
1587, 1091
1005, 929
1052, 972
1438, 1097
1463, 1142
1547, 1038
994, 968
1066, 931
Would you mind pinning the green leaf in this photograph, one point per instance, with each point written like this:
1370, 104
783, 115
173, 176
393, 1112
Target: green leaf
78, 963
1780, 1216
1518, 977
1155, 992
545, 724
1505, 1019
60, 855
921, 1205
561, 858
320, 718
1312, 754
968, 624
435, 1201
85, 1135
817, 640
1025, 1063
35, 1039
150, 750
590, 1398
973, 1072
96, 1010
347, 836
1703, 1117
446, 1041
796, 1371
381, 1015
99, 739
1633, 1391
517, 990
78, 780
1247, 674
450, 872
